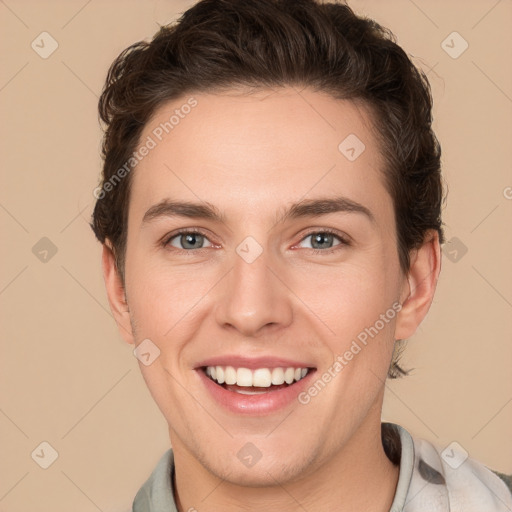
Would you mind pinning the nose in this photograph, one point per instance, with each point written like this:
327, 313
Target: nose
253, 299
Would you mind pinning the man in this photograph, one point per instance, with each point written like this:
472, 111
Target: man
270, 211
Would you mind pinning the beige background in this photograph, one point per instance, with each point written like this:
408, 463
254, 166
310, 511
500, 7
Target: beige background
66, 376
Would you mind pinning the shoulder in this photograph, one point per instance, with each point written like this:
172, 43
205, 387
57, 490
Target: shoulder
157, 493
451, 480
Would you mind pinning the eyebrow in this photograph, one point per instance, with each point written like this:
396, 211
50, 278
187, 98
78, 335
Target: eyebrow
301, 209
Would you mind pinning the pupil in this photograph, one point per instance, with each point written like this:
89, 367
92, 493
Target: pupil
322, 238
195, 240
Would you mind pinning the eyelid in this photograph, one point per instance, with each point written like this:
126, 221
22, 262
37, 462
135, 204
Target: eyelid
342, 236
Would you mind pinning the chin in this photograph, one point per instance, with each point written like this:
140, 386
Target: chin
248, 467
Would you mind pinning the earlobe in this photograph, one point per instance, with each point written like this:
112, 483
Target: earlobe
420, 286
116, 294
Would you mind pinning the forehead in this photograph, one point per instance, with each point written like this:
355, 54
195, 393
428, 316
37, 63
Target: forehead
267, 147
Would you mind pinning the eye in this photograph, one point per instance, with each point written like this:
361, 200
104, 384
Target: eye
188, 240
323, 241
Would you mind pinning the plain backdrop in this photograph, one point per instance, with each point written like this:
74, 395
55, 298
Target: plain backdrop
67, 378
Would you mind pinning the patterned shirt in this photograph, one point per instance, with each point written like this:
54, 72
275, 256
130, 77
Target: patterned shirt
430, 479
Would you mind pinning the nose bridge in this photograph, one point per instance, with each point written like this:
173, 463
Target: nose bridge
252, 297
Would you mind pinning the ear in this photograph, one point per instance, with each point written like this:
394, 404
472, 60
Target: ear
116, 294
420, 286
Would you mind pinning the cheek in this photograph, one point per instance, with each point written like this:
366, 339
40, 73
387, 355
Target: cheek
164, 305
356, 303
348, 298
163, 298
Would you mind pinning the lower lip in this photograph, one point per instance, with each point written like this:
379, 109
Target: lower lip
256, 405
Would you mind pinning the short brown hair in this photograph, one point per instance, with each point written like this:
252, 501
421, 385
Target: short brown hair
223, 44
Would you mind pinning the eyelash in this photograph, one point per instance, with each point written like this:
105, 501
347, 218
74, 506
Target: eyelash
344, 241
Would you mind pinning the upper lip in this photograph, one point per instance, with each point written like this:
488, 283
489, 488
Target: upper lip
253, 363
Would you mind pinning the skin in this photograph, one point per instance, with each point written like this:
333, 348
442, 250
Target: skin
251, 155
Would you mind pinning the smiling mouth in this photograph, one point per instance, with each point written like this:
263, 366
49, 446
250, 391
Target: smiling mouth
252, 382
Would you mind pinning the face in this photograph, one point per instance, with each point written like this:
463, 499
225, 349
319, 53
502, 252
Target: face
282, 265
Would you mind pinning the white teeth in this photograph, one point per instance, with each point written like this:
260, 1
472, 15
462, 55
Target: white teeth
278, 376
244, 377
220, 374
260, 377
249, 392
289, 375
230, 375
